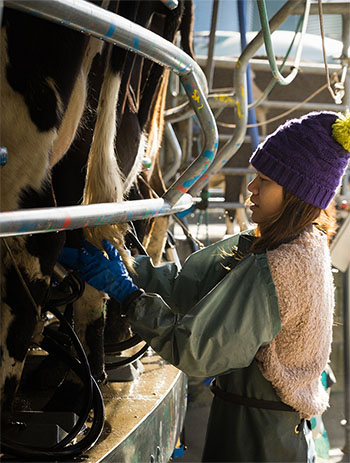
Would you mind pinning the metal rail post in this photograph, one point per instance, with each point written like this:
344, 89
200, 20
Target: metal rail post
209, 69
345, 55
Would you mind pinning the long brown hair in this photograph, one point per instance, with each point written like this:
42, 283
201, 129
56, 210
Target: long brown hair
295, 216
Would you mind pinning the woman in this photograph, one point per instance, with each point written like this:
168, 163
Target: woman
254, 310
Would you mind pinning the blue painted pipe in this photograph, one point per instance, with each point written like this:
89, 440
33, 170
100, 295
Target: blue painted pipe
253, 131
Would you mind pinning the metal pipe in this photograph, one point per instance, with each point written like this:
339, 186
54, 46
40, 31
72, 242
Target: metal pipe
28, 221
246, 139
328, 8
209, 69
88, 18
269, 47
258, 64
171, 167
211, 140
171, 4
311, 106
225, 205
274, 104
273, 81
78, 14
237, 171
240, 95
253, 130
345, 34
183, 111
345, 55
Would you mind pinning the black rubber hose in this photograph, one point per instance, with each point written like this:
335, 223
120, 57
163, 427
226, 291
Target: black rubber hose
82, 369
112, 348
52, 347
133, 239
97, 405
121, 363
69, 451
77, 285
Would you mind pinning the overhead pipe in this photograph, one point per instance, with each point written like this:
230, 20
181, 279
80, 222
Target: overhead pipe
50, 219
273, 81
171, 4
269, 47
173, 144
240, 97
253, 131
183, 111
79, 15
209, 69
219, 99
260, 64
345, 79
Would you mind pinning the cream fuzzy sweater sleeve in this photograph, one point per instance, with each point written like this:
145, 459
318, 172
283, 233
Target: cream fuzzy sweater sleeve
295, 358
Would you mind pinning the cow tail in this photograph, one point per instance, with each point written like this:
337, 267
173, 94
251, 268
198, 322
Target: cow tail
104, 179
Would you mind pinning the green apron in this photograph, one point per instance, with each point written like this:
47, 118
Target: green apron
217, 322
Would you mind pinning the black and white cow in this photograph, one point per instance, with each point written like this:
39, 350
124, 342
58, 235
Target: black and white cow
44, 69
45, 85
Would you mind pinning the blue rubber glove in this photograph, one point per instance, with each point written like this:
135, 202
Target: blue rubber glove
108, 275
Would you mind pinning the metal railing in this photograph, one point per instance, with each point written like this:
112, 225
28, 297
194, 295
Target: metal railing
27, 221
240, 97
78, 15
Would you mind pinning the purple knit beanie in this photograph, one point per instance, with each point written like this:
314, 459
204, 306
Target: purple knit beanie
303, 156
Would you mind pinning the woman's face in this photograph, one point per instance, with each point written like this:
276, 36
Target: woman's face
266, 199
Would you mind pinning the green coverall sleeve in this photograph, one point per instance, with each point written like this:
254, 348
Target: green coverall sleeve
218, 331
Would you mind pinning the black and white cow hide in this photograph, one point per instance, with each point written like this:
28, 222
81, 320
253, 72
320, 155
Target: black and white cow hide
44, 70
44, 89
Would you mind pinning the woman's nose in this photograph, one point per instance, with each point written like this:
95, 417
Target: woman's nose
253, 186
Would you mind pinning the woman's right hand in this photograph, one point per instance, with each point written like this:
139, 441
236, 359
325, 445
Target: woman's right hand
108, 275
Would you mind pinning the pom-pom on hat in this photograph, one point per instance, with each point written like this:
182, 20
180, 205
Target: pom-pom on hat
307, 156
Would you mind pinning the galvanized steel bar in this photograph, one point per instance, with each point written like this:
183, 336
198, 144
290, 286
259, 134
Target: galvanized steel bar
171, 4
345, 60
237, 171
269, 47
183, 111
173, 144
240, 97
332, 7
91, 19
258, 64
225, 205
307, 106
209, 69
192, 174
28, 221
